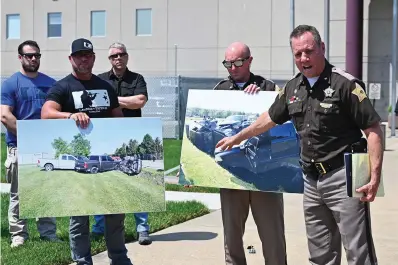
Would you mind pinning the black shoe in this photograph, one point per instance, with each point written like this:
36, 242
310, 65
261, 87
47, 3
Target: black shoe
144, 239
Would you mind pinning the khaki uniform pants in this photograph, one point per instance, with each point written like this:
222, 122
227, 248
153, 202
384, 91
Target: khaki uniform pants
18, 227
331, 218
267, 210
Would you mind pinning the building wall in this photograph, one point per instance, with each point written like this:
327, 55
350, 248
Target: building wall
201, 30
380, 52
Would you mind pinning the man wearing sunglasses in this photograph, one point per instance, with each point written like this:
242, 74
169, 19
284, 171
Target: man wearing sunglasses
22, 97
132, 94
266, 207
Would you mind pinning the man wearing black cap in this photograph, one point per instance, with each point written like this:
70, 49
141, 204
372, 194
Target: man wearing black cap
81, 96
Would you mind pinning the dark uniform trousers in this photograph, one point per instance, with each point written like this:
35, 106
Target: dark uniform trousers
268, 214
331, 218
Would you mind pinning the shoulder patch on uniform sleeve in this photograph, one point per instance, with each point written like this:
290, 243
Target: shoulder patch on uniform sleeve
359, 92
280, 91
343, 73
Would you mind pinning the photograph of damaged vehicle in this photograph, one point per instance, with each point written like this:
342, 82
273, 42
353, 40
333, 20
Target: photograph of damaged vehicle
112, 166
269, 160
130, 165
266, 162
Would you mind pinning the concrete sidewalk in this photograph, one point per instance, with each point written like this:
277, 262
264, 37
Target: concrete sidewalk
200, 241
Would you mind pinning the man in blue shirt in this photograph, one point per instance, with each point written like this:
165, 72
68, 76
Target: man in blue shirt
22, 97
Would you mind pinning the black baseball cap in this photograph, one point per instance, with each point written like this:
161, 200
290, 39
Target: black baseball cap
80, 45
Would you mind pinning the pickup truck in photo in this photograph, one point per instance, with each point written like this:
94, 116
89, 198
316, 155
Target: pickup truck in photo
64, 161
96, 163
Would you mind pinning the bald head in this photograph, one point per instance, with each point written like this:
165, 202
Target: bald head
237, 61
237, 50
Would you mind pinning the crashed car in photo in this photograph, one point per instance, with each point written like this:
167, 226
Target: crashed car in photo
205, 133
130, 165
269, 161
200, 133
233, 124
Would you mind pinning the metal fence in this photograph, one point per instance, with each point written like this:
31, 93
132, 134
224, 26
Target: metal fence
167, 100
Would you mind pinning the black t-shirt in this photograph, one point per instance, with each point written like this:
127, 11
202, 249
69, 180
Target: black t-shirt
95, 97
130, 84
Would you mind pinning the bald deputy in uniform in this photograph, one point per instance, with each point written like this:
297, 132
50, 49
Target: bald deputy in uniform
329, 108
266, 207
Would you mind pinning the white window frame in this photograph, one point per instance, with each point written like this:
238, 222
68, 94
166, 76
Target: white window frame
8, 16
91, 22
48, 25
136, 21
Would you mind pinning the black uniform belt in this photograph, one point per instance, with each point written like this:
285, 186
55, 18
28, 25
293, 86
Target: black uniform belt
322, 168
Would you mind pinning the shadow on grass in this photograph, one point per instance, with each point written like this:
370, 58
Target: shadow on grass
180, 236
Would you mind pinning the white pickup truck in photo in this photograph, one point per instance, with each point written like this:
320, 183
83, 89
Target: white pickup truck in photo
64, 161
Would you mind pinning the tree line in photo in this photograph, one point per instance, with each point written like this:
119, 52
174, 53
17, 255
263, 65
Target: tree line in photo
148, 148
214, 113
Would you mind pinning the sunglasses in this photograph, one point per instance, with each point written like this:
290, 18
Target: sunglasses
116, 55
30, 55
237, 63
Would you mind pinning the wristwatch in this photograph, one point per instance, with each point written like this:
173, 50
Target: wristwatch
70, 115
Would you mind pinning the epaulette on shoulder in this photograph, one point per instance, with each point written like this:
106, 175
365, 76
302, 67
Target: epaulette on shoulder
219, 83
270, 80
344, 73
349, 76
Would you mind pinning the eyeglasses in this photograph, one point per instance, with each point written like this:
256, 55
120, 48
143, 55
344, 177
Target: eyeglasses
30, 55
116, 55
237, 63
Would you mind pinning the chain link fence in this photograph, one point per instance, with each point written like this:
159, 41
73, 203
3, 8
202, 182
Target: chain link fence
167, 100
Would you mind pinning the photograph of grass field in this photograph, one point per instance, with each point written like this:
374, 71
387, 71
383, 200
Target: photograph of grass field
114, 166
266, 162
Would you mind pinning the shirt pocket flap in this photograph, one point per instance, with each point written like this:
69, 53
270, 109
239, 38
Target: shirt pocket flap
295, 108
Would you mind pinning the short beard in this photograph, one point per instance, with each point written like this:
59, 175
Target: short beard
79, 71
30, 69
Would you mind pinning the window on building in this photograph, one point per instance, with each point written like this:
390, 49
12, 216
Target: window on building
13, 30
98, 23
54, 24
143, 22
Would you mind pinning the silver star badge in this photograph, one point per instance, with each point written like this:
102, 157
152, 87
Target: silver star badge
328, 92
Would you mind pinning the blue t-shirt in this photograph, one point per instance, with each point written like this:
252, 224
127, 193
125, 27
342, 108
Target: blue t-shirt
26, 96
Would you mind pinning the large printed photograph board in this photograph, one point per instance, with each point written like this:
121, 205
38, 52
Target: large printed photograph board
267, 162
113, 166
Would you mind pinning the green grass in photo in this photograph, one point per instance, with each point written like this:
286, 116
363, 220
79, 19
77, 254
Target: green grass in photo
178, 187
200, 169
66, 192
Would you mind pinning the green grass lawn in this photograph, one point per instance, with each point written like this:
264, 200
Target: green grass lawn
200, 169
172, 153
36, 252
66, 192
